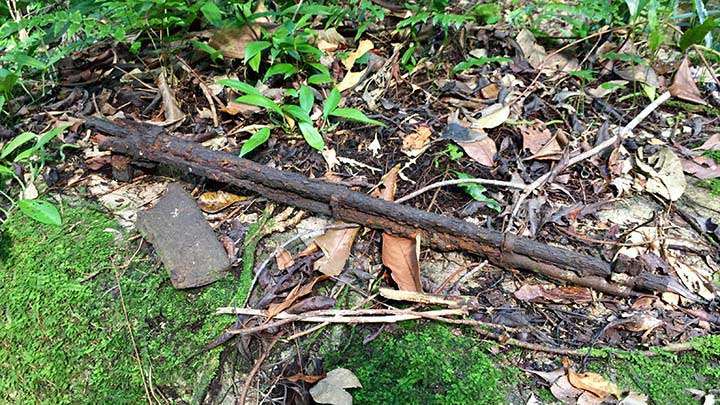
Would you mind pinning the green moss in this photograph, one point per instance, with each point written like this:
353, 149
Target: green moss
64, 337
666, 376
427, 364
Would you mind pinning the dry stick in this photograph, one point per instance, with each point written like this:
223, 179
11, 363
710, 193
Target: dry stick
452, 182
594, 151
255, 369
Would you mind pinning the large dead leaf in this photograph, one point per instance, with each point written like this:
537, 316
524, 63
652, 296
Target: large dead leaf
329, 40
215, 201
415, 143
400, 255
551, 293
231, 41
683, 86
332, 388
694, 273
351, 80
538, 58
564, 391
363, 47
336, 245
666, 174
482, 151
701, 167
712, 143
540, 142
594, 383
639, 73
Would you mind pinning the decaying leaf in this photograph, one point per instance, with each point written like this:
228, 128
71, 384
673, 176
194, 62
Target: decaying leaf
666, 175
329, 40
173, 113
551, 293
638, 73
299, 291
474, 141
332, 388
694, 273
712, 143
564, 391
310, 379
284, 259
216, 201
683, 86
702, 167
231, 41
336, 244
540, 142
594, 383
538, 58
482, 151
351, 80
415, 143
491, 117
363, 47
400, 255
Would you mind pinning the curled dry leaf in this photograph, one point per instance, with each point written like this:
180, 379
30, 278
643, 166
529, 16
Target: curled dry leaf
363, 47
475, 142
540, 142
491, 117
666, 175
417, 142
683, 86
173, 113
231, 41
538, 58
564, 391
284, 259
400, 255
216, 201
336, 245
329, 40
594, 383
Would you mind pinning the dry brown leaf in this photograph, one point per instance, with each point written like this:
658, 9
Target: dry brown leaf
563, 294
329, 40
540, 142
400, 255
415, 143
336, 245
594, 383
231, 41
482, 151
351, 80
310, 379
712, 143
702, 167
299, 291
564, 391
284, 259
683, 86
639, 73
538, 58
215, 201
363, 47
234, 108
666, 177
173, 113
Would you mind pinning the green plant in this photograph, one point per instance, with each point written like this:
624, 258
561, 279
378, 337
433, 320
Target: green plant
477, 192
287, 115
473, 62
29, 150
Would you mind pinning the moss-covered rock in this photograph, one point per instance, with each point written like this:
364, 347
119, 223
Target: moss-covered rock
64, 336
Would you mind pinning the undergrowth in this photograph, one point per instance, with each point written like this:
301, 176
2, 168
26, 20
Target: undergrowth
64, 337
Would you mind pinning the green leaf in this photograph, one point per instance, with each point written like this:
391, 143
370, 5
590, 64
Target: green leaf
260, 101
285, 69
6, 171
296, 112
696, 34
239, 86
307, 98
212, 13
355, 115
331, 102
41, 211
253, 53
26, 60
215, 55
311, 135
15, 143
7, 80
320, 78
50, 135
2, 102
477, 192
257, 139
474, 62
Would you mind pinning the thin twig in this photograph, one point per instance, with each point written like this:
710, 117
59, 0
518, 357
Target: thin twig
452, 182
255, 369
594, 151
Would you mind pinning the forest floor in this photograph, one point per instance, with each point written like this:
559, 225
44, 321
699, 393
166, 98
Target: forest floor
593, 144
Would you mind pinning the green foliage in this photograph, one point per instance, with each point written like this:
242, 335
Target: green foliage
65, 338
40, 211
482, 61
477, 192
256, 140
427, 364
696, 34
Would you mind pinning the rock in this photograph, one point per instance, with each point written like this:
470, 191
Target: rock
183, 239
